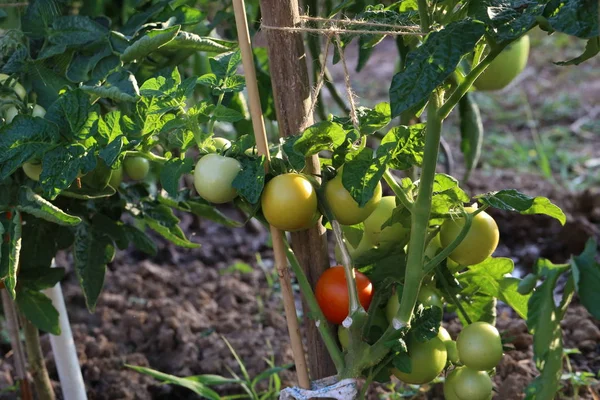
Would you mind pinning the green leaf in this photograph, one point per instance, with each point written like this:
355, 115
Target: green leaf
36, 205
574, 17
191, 383
188, 41
446, 194
92, 250
151, 41
10, 251
591, 49
84, 62
513, 200
46, 83
172, 171
405, 146
471, 132
507, 20
24, 139
120, 86
72, 31
140, 240
431, 63
75, 115
225, 65
39, 16
160, 218
250, 181
38, 309
295, 158
62, 165
369, 119
361, 174
586, 273
324, 135
224, 114
198, 206
426, 323
41, 278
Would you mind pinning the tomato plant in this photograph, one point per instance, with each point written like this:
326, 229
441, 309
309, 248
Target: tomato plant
331, 292
344, 207
213, 178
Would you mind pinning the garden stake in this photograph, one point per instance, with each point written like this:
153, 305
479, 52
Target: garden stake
276, 235
19, 355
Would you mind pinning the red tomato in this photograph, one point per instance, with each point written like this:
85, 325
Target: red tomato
332, 293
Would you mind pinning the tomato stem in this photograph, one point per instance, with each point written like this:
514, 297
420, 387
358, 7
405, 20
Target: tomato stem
398, 190
453, 298
211, 124
442, 255
147, 155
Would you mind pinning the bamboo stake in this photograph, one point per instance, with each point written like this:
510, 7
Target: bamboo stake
277, 239
19, 355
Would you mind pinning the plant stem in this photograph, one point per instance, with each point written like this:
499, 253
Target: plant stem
435, 261
424, 15
398, 190
453, 299
147, 155
354, 304
211, 124
43, 386
315, 310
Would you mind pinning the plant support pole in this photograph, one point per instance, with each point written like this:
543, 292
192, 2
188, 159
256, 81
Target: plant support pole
279, 247
63, 348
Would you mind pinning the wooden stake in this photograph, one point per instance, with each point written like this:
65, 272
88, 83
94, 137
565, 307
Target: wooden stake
292, 92
277, 239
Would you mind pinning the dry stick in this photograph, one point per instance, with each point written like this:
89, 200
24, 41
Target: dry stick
13, 331
358, 22
349, 92
43, 386
317, 89
334, 30
277, 239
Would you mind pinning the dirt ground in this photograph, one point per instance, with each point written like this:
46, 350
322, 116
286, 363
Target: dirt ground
172, 312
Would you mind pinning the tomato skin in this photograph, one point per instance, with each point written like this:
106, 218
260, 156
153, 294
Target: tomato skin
427, 296
116, 177
481, 240
32, 170
221, 143
344, 207
289, 202
390, 234
479, 346
38, 111
465, 383
331, 292
213, 177
137, 168
505, 67
16, 86
428, 360
10, 114
450, 344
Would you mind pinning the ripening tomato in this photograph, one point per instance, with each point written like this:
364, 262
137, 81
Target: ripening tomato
479, 346
427, 360
344, 207
213, 178
33, 170
289, 202
395, 233
505, 67
137, 168
481, 240
116, 177
16, 86
465, 383
332, 293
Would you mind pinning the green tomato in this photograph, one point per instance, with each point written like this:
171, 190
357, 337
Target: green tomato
479, 346
213, 177
430, 297
343, 337
433, 247
427, 360
221, 144
344, 207
137, 168
479, 243
505, 67
38, 111
16, 86
10, 114
465, 383
450, 345
116, 177
32, 170
395, 233
363, 246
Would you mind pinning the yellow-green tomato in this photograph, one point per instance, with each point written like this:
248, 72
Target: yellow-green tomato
505, 67
479, 346
479, 243
213, 177
344, 207
221, 144
10, 114
116, 177
363, 246
38, 111
450, 345
289, 202
465, 383
395, 233
427, 360
137, 168
33, 170
433, 247
343, 337
430, 297
16, 86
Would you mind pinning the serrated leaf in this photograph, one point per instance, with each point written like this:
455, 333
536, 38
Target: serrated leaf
471, 132
173, 234
405, 146
426, 323
151, 41
75, 115
36, 205
574, 17
507, 20
586, 273
324, 135
592, 48
188, 41
224, 114
120, 86
225, 65
140, 240
172, 171
38, 309
431, 63
250, 181
62, 165
41, 278
295, 158
361, 175
513, 200
39, 16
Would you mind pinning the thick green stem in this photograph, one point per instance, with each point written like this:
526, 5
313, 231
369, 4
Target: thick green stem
315, 310
435, 261
453, 298
424, 15
211, 124
398, 190
148, 155
43, 386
